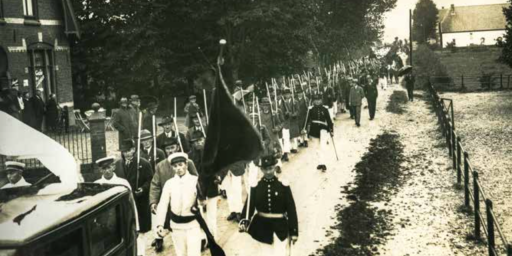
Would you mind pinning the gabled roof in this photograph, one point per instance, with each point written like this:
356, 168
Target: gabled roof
473, 18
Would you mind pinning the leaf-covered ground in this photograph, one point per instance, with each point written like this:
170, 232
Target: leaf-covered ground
483, 121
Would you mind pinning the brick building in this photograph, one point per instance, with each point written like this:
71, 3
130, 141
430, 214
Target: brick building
35, 39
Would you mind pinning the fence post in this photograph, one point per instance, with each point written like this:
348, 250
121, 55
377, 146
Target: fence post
454, 148
459, 162
490, 227
466, 179
98, 140
449, 138
476, 194
508, 82
462, 82
501, 81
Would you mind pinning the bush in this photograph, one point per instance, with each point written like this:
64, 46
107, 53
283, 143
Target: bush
427, 64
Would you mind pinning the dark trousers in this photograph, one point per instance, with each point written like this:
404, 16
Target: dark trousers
410, 92
352, 110
372, 105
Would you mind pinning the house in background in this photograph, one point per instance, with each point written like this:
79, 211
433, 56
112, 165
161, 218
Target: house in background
35, 38
472, 25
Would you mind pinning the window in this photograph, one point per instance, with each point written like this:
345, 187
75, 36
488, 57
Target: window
67, 245
42, 72
30, 8
105, 231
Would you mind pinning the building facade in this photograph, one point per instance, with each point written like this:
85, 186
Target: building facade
35, 39
472, 25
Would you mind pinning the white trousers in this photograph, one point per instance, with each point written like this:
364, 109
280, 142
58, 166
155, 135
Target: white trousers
211, 214
294, 143
251, 175
278, 248
286, 141
383, 83
233, 186
320, 145
187, 242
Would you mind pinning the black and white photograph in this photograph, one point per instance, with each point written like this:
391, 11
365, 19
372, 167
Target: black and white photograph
255, 127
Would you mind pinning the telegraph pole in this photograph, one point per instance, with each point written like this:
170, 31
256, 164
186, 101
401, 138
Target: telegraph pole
410, 37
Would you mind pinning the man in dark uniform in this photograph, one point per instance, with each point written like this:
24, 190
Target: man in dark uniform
328, 99
271, 210
168, 124
148, 150
139, 178
319, 124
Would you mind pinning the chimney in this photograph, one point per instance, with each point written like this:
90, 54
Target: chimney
452, 9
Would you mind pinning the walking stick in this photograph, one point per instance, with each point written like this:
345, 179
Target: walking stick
243, 99
201, 123
334, 145
138, 151
154, 141
205, 107
176, 125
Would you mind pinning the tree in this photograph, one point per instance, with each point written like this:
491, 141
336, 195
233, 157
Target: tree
424, 21
506, 43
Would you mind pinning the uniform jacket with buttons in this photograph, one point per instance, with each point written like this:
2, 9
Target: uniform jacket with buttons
275, 197
319, 114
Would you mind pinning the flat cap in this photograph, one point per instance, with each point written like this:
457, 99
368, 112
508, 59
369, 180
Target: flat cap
104, 162
177, 157
13, 165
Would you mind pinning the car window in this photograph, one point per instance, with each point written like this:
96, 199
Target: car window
105, 231
68, 245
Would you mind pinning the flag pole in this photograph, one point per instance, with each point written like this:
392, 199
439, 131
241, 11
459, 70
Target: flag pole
205, 106
154, 141
176, 125
138, 151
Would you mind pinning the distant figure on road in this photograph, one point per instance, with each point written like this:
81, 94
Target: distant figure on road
192, 109
39, 109
356, 98
372, 92
409, 84
124, 122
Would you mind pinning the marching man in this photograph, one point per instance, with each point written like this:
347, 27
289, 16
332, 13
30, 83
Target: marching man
180, 193
272, 213
14, 175
319, 124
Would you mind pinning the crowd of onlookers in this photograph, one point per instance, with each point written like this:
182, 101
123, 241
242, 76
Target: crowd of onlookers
35, 110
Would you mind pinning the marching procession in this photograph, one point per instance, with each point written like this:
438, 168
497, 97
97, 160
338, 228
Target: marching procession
178, 177
175, 195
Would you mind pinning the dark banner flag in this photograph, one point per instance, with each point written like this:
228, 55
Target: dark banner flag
230, 136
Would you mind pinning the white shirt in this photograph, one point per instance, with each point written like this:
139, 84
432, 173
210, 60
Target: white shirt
21, 183
114, 180
181, 194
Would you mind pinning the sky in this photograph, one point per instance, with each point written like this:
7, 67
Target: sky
396, 21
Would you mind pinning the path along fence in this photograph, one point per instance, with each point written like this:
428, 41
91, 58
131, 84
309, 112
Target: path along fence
474, 193
473, 82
